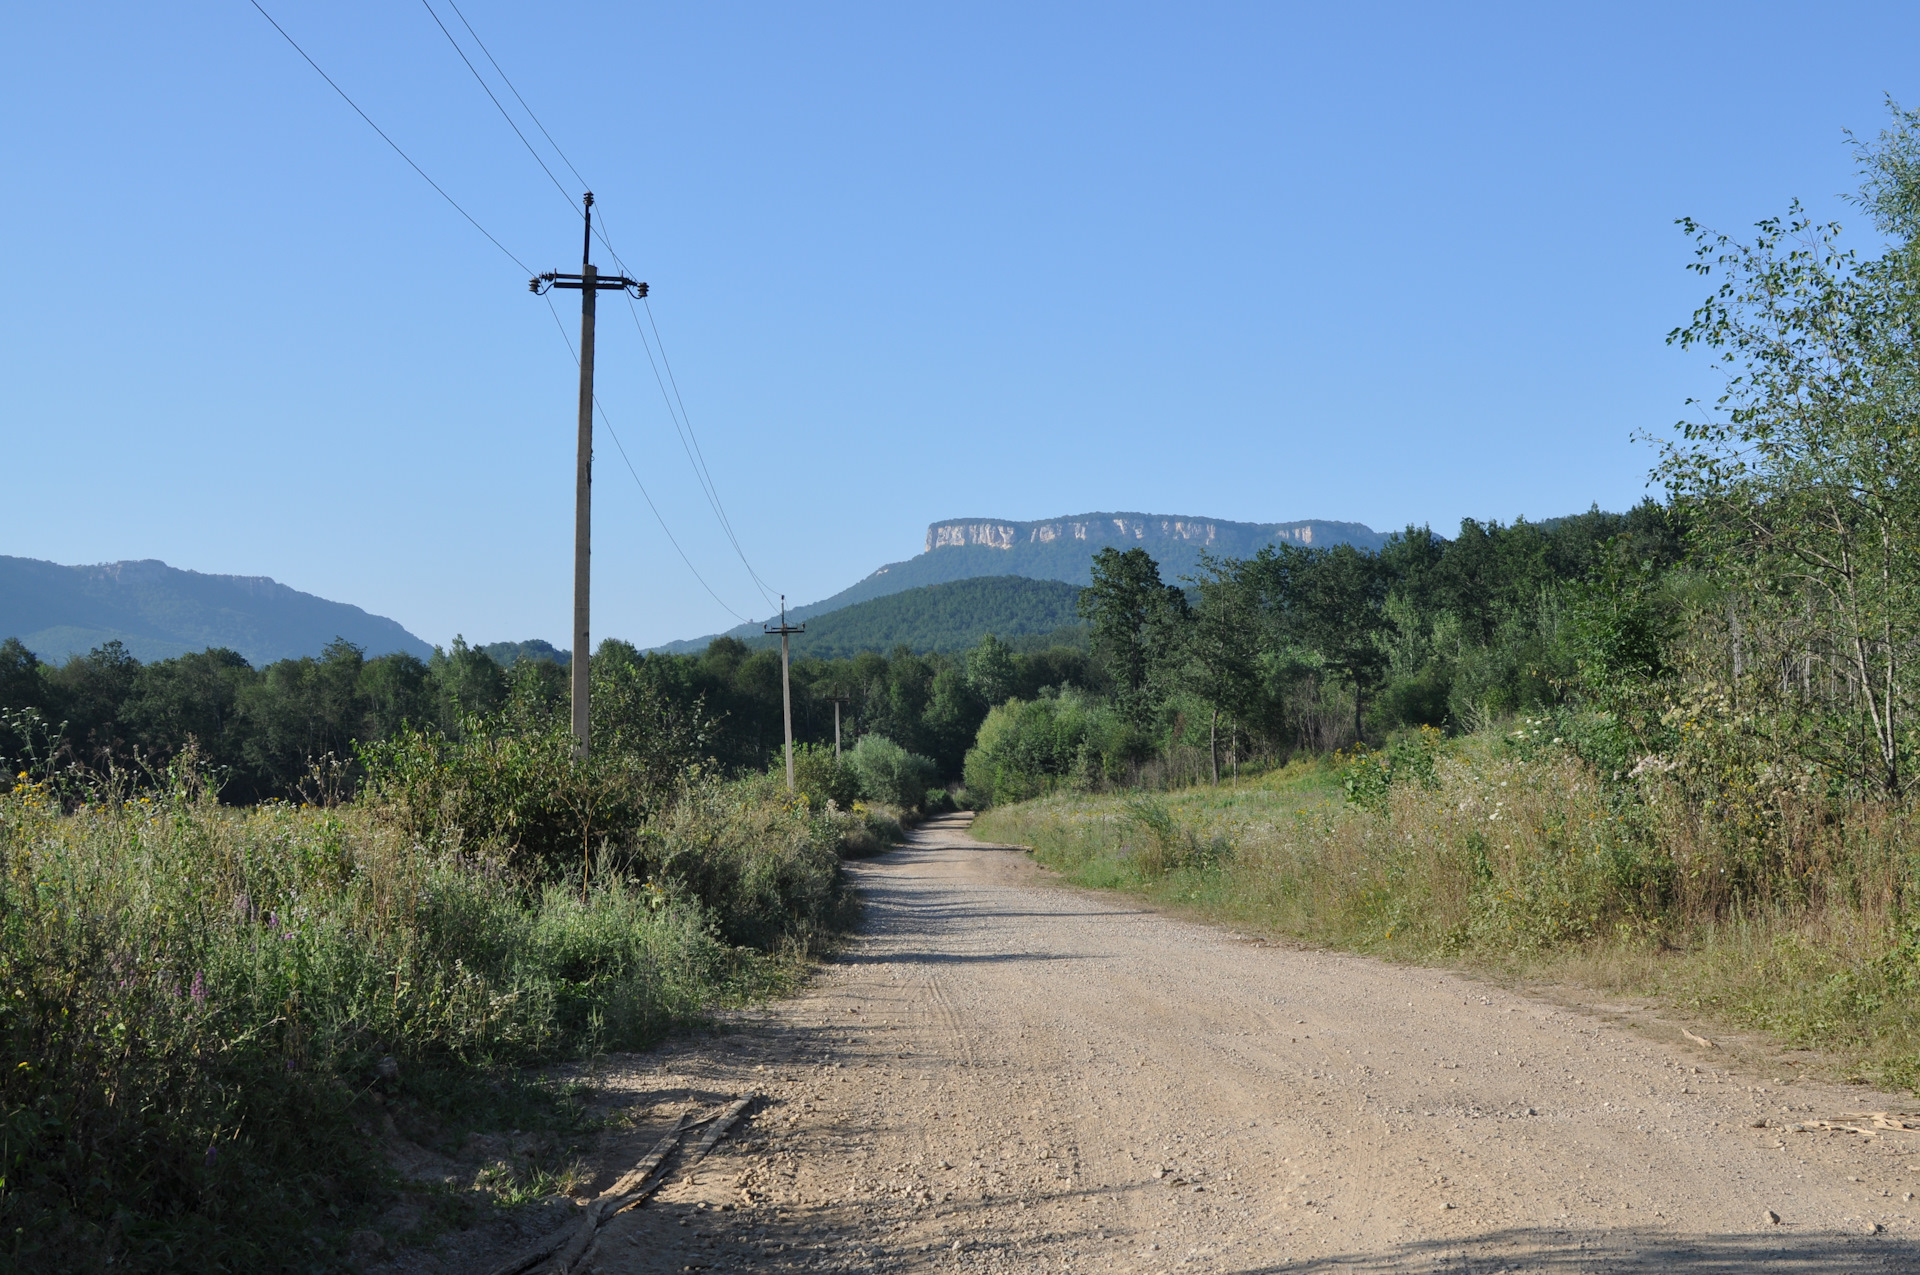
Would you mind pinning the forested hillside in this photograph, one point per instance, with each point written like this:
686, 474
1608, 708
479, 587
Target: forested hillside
940, 617
155, 611
1063, 549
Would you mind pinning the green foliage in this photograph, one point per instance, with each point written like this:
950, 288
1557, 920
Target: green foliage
991, 671
821, 777
1029, 747
1803, 491
945, 618
198, 998
1367, 777
1136, 622
764, 868
507, 654
889, 773
1170, 846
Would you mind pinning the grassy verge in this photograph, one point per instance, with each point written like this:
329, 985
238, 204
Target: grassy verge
214, 1020
1520, 862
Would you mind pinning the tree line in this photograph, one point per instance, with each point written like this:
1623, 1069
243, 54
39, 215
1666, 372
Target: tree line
1315, 649
1755, 634
264, 730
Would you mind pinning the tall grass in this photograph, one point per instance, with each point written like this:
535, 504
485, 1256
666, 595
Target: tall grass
1521, 860
203, 1008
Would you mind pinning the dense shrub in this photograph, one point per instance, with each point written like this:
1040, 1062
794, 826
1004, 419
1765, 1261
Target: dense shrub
759, 864
823, 777
889, 773
196, 1001
1028, 747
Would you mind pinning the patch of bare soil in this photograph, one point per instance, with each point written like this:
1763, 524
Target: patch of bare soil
1003, 1074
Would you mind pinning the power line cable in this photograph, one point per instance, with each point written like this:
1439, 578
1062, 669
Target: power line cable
388, 140
611, 433
672, 380
696, 459
516, 93
598, 233
682, 422
478, 79
647, 496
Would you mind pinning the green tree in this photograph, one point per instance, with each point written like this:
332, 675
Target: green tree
467, 682
397, 691
88, 691
1331, 601
300, 711
1136, 622
1803, 489
990, 670
1223, 646
192, 700
887, 772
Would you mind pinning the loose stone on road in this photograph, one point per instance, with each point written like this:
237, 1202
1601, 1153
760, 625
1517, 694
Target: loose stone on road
1000, 1073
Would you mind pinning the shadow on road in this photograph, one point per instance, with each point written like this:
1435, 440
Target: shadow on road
1621, 1253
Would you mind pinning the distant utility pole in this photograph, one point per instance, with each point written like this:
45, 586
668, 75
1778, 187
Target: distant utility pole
590, 284
838, 700
786, 690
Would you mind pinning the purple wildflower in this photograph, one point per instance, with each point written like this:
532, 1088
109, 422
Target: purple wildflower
213, 1153
199, 991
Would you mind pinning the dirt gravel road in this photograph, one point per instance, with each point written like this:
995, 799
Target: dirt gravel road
1005, 1074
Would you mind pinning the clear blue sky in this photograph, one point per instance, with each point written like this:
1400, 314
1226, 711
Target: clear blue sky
1390, 263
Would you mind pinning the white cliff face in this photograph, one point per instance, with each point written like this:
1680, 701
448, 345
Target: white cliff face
994, 535
1005, 535
1144, 529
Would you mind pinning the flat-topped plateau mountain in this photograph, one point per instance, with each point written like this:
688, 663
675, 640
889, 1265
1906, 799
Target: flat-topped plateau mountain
1063, 549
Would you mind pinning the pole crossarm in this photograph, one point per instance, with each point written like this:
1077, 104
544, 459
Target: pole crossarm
540, 284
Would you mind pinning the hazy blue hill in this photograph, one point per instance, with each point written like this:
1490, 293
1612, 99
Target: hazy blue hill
941, 617
159, 612
1063, 549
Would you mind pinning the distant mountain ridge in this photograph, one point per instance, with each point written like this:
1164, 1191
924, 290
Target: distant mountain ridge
158, 612
939, 617
1063, 549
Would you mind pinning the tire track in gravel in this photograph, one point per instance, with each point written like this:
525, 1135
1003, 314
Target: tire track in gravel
1004, 1074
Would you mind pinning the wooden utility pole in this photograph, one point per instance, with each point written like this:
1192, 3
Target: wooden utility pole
786, 690
590, 284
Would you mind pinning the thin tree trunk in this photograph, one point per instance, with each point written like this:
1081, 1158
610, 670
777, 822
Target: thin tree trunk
1213, 745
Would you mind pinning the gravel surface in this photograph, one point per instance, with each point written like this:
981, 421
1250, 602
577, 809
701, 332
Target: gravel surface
1004, 1074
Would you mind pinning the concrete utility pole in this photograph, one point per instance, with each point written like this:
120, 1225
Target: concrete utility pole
786, 690
838, 700
590, 284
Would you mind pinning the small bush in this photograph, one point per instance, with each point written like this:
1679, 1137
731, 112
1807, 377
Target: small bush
871, 830
1367, 776
1169, 846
